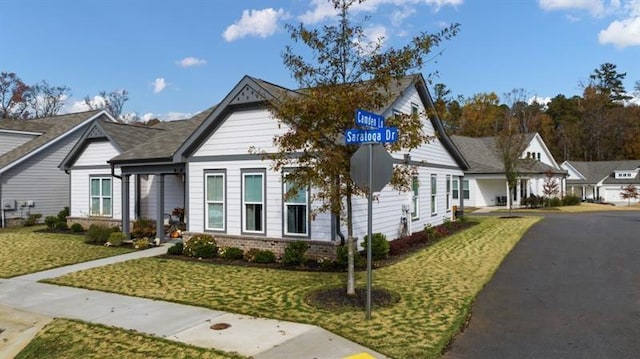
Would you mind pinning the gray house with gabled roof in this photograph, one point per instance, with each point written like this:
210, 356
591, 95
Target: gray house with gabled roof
602, 180
30, 151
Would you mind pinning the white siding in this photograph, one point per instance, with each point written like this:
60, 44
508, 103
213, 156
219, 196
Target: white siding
80, 201
173, 194
241, 131
9, 141
97, 153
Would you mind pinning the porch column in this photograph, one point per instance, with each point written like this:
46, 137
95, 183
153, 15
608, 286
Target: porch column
516, 195
461, 193
160, 209
125, 206
508, 195
584, 193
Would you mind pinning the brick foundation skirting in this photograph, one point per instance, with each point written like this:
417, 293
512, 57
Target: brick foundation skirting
317, 249
86, 222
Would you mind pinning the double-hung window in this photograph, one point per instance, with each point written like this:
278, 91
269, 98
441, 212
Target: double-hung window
101, 197
434, 191
455, 191
448, 194
415, 197
465, 189
253, 202
296, 210
215, 206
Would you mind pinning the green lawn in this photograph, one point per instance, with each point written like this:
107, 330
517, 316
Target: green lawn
581, 208
437, 287
24, 250
74, 339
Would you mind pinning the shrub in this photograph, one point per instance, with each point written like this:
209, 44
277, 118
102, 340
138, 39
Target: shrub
201, 246
97, 234
294, 253
554, 202
141, 243
429, 232
77, 228
176, 249
379, 246
116, 239
62, 225
571, 200
232, 253
260, 256
51, 221
63, 214
143, 227
32, 220
342, 258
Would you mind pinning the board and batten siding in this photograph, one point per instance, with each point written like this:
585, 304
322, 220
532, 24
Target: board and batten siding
241, 131
11, 140
173, 194
39, 179
320, 227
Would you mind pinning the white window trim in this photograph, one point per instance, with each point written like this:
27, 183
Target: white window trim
448, 194
285, 222
455, 183
434, 194
244, 203
415, 199
101, 197
468, 189
223, 202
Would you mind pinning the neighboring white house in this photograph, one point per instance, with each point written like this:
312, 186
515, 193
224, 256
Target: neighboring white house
485, 182
30, 151
232, 193
601, 180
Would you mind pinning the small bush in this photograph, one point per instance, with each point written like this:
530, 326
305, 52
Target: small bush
571, 200
141, 243
232, 253
97, 234
294, 253
51, 221
62, 226
32, 220
379, 246
554, 202
116, 239
63, 214
201, 246
176, 249
143, 227
260, 256
77, 228
342, 258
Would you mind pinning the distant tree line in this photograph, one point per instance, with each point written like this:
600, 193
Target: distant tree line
600, 125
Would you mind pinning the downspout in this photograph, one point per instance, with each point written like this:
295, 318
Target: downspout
113, 172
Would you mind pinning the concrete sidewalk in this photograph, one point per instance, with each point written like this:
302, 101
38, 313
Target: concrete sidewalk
23, 300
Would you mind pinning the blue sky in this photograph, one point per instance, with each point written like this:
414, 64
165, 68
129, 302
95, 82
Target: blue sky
176, 58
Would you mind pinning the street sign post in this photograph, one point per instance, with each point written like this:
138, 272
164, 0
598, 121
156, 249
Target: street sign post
377, 160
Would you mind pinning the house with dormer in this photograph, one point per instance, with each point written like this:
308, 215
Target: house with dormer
601, 180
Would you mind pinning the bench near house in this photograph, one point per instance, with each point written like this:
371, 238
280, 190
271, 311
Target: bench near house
230, 192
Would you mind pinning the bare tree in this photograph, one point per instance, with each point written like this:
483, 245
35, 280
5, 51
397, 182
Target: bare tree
550, 187
628, 192
113, 102
510, 145
47, 100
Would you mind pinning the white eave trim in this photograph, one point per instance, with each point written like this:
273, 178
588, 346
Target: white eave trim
22, 132
46, 145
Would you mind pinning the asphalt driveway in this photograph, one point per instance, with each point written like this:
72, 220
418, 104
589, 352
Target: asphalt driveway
569, 289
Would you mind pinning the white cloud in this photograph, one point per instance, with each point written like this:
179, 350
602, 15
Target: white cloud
323, 9
373, 35
621, 33
191, 62
158, 85
261, 23
168, 116
595, 7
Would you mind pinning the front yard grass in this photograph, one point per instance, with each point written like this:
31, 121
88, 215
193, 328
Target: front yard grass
437, 286
581, 208
75, 339
24, 250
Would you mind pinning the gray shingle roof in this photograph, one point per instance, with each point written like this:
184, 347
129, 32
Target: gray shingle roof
129, 136
164, 144
595, 171
482, 155
50, 127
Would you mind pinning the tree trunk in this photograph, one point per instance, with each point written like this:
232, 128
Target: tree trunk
351, 276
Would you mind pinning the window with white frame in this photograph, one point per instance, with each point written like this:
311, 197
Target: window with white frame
448, 194
296, 210
415, 197
434, 191
455, 190
215, 196
465, 189
101, 197
253, 202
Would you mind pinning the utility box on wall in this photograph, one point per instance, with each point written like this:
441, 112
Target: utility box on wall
9, 205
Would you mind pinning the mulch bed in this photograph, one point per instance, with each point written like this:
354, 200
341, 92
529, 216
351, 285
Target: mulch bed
337, 298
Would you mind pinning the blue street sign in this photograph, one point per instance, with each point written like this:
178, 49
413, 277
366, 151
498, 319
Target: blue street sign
369, 119
356, 136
